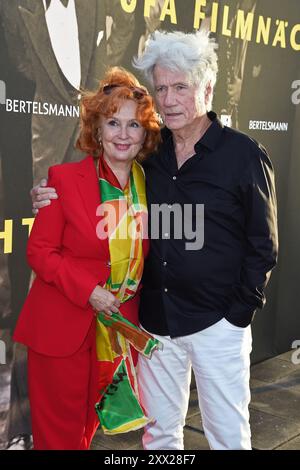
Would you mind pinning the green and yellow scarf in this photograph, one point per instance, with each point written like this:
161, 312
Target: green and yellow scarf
125, 214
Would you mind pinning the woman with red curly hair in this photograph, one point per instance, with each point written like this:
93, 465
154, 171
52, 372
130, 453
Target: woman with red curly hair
83, 261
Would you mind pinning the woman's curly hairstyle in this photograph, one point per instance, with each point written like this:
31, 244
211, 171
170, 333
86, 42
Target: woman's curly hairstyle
122, 85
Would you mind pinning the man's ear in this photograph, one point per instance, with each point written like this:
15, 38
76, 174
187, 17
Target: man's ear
208, 93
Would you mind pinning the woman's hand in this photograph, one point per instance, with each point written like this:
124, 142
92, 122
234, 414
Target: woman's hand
41, 195
104, 301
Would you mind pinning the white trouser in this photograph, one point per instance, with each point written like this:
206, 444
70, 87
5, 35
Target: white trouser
220, 358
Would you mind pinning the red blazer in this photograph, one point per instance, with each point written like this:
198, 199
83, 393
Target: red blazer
69, 261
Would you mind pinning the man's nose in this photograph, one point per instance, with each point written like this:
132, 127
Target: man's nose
169, 97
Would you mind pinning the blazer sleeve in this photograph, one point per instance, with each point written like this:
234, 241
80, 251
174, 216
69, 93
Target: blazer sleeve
16, 38
121, 32
44, 251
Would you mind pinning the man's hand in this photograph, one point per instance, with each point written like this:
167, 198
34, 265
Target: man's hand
104, 301
41, 195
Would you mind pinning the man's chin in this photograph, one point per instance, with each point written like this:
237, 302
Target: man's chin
174, 126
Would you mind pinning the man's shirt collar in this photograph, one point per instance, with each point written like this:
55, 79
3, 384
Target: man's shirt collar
209, 140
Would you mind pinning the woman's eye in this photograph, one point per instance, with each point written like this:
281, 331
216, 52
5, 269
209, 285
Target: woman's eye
135, 124
112, 122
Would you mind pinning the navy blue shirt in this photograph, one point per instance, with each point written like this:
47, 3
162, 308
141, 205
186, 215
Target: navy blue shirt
188, 290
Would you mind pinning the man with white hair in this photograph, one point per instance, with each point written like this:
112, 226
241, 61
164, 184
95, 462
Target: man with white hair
199, 300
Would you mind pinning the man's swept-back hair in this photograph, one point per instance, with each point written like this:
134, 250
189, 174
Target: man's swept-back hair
192, 53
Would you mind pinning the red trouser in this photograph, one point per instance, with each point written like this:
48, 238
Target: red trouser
63, 393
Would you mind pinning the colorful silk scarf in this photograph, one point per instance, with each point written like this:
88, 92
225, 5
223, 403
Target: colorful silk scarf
125, 214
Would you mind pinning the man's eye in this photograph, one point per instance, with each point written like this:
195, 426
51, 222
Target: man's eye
159, 89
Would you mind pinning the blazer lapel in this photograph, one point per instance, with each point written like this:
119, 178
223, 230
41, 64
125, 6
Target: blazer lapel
35, 23
86, 16
88, 186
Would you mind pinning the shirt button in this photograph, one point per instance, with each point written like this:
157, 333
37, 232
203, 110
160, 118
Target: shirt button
165, 263
108, 263
166, 290
169, 206
166, 235
174, 178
